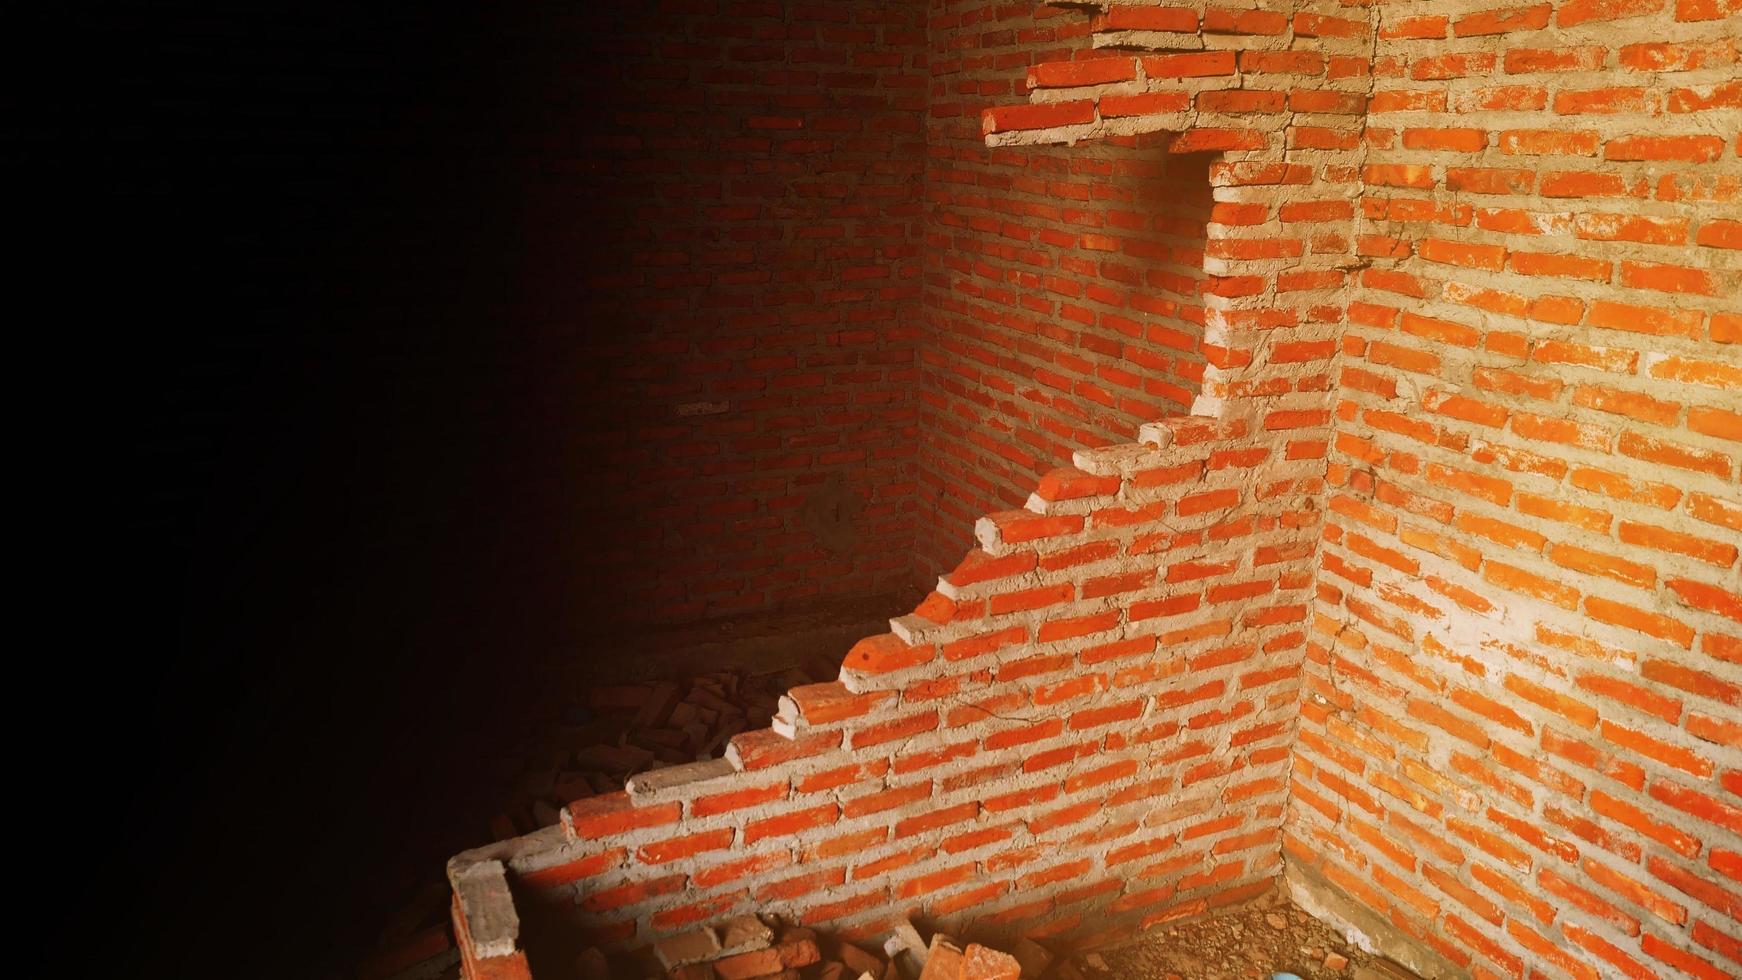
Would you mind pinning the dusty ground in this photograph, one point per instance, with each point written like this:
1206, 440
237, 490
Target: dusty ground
1269, 936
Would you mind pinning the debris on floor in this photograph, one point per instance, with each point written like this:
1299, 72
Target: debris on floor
1247, 942
1257, 941
747, 947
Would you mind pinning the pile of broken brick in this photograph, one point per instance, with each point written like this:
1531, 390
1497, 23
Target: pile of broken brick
749, 947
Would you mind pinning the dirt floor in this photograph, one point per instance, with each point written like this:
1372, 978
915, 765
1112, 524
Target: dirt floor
1257, 940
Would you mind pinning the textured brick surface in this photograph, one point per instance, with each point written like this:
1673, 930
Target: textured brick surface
746, 179
1434, 596
1525, 640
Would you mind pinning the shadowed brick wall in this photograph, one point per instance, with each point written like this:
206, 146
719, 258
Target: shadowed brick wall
742, 178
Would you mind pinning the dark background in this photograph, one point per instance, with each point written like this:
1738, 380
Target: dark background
329, 439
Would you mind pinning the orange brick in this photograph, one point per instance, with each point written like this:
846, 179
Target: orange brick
1149, 103
1096, 71
1490, 180
1576, 12
1688, 149
1548, 142
1518, 580
884, 653
1004, 119
1601, 101
791, 823
1196, 64
1715, 551
1633, 618
1567, 266
1719, 233
1677, 55
613, 813
1673, 454
1716, 422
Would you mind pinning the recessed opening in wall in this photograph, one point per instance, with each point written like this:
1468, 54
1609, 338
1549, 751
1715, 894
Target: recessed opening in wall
1063, 311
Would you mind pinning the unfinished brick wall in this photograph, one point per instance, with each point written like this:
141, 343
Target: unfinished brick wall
1520, 744
1499, 736
744, 177
1087, 726
1062, 304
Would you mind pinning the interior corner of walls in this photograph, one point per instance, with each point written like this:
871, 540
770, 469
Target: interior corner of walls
1361, 926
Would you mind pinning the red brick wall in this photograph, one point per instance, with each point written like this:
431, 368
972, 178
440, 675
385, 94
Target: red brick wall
1521, 744
1061, 306
745, 175
1087, 726
1433, 604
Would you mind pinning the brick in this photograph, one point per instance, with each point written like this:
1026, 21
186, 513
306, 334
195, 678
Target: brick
1490, 180
1635, 891
1720, 233
1630, 228
1098, 71
1689, 149
981, 567
981, 963
1576, 12
579, 869
1456, 65
885, 653
1149, 103
1490, 257
1596, 563
1696, 886
1681, 959
1422, 27
1676, 56
1520, 61
1607, 101
1716, 422
613, 813
1713, 551
1005, 119
1565, 266
795, 822
1224, 20
1548, 142
1193, 65
1503, 21
1674, 454
686, 846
